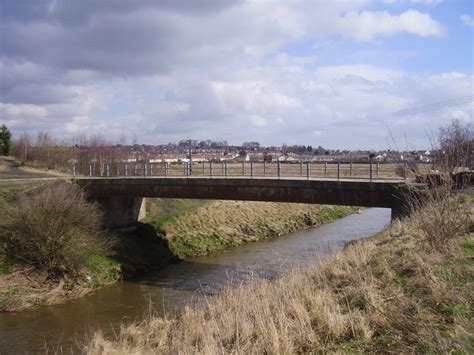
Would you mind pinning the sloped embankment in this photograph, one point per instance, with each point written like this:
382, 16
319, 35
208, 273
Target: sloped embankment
195, 228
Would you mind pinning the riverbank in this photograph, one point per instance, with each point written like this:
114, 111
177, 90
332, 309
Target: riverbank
408, 289
176, 229
195, 227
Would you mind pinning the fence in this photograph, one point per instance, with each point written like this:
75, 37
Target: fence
304, 170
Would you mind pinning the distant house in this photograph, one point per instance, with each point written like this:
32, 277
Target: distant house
381, 157
286, 157
244, 157
199, 159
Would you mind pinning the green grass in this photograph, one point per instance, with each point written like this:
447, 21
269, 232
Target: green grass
162, 211
196, 244
6, 265
331, 213
469, 247
199, 227
104, 269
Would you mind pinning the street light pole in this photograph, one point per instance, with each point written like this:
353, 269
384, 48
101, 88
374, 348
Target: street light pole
190, 158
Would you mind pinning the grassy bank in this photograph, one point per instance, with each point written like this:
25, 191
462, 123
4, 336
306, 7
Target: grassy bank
408, 289
195, 228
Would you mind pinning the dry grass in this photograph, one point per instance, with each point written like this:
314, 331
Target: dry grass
390, 293
440, 204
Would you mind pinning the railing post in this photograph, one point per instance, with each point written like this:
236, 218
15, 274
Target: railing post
145, 170
325, 168
107, 169
264, 168
135, 168
301, 168
166, 169
90, 170
126, 169
338, 170
203, 168
377, 170
225, 169
308, 170
370, 174
251, 170
243, 168
350, 168
210, 169
73, 169
279, 168
187, 168
222, 169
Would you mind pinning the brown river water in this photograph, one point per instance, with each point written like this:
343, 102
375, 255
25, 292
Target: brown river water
60, 328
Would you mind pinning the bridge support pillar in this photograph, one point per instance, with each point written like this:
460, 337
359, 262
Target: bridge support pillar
122, 211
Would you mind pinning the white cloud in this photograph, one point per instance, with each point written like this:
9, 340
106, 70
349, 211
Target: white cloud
11, 111
366, 25
361, 71
257, 120
467, 20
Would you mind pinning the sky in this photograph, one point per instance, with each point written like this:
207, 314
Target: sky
349, 74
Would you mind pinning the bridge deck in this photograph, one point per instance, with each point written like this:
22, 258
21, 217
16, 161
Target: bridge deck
328, 191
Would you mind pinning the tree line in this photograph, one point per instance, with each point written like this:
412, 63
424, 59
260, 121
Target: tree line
455, 148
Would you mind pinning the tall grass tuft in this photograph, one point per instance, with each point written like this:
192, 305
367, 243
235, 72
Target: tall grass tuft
439, 214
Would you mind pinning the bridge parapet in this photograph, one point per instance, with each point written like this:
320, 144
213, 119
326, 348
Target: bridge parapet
309, 170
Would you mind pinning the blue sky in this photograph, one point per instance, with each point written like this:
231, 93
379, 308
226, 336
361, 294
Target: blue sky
412, 53
274, 71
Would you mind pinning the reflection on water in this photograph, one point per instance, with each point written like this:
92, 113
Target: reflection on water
60, 326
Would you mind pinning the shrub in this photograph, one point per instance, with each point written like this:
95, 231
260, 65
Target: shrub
56, 230
439, 214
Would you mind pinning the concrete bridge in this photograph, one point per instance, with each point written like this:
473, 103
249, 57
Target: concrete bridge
123, 198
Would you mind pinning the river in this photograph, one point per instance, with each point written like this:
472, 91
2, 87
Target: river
59, 328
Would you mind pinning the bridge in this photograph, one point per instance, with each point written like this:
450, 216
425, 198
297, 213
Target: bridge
122, 198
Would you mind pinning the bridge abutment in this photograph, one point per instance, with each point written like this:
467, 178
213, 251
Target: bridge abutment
122, 211
399, 208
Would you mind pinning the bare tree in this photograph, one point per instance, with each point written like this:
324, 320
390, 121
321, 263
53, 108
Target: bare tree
21, 147
456, 145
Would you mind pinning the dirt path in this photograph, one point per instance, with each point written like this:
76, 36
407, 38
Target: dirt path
12, 174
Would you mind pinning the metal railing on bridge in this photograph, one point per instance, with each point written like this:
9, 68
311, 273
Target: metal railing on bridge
303, 170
